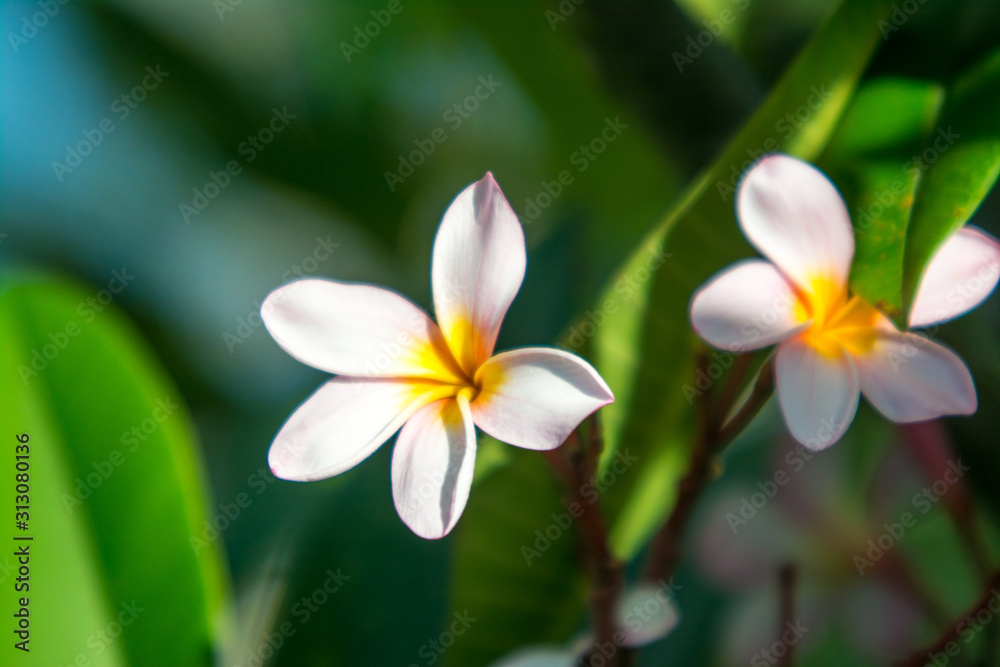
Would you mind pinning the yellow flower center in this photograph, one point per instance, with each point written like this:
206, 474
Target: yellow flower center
457, 365
840, 321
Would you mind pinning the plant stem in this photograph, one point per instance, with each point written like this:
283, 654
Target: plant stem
920, 658
576, 462
787, 580
713, 437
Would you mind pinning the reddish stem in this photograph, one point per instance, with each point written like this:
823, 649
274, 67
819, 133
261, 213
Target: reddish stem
665, 552
952, 632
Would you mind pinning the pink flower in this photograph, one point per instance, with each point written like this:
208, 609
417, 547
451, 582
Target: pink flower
833, 346
397, 369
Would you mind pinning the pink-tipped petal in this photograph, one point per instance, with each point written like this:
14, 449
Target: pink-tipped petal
357, 330
478, 266
909, 378
818, 392
960, 276
748, 306
534, 397
432, 467
341, 424
796, 218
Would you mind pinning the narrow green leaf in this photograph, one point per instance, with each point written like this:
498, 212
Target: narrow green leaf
966, 164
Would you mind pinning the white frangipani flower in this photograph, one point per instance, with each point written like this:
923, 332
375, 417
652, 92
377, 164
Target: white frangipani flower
397, 369
833, 346
644, 614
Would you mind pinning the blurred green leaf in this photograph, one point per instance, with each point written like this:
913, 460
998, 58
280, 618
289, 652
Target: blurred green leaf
515, 567
116, 487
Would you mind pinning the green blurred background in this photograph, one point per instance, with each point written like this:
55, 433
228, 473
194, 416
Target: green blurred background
94, 183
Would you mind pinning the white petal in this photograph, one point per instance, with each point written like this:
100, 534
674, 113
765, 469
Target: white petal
796, 218
357, 330
818, 392
539, 657
745, 307
959, 277
909, 378
646, 613
478, 267
432, 467
342, 423
534, 397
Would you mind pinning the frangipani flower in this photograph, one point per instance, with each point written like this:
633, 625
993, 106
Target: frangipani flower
833, 346
645, 614
397, 369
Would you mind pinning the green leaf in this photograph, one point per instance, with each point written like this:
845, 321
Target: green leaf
116, 488
870, 161
643, 346
516, 569
955, 185
913, 162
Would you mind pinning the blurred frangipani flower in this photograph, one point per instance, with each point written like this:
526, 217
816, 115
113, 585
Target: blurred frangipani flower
398, 370
645, 613
833, 346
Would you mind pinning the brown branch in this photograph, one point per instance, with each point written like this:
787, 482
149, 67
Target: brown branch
787, 580
665, 552
919, 658
576, 462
